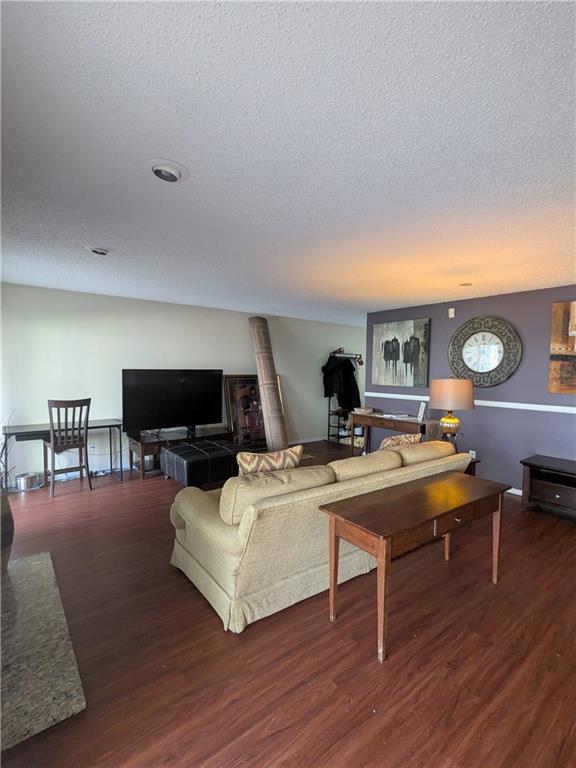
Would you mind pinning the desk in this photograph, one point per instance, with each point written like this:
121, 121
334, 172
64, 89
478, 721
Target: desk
394, 423
42, 432
395, 520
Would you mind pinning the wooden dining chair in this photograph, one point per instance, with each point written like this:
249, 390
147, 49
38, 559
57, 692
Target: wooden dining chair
68, 431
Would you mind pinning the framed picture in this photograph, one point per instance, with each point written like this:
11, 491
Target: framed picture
562, 365
244, 409
400, 353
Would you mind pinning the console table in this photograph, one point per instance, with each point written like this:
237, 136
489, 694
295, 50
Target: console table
395, 423
549, 482
42, 432
395, 520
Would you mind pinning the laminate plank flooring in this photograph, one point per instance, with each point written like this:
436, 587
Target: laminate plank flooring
479, 676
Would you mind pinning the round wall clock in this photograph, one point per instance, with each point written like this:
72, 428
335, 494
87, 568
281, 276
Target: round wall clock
486, 350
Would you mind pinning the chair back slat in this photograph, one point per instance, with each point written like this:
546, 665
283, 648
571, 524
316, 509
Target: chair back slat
68, 422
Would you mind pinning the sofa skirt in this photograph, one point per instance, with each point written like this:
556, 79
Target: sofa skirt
237, 612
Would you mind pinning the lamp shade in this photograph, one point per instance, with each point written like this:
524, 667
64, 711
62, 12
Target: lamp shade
452, 394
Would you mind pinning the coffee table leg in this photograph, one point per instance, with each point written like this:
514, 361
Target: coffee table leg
334, 551
447, 539
496, 526
382, 577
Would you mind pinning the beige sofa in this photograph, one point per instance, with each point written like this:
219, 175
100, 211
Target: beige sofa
260, 544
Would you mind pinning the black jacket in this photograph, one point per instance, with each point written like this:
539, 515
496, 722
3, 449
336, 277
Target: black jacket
340, 380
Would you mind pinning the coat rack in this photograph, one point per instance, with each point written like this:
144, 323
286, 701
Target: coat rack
337, 421
347, 355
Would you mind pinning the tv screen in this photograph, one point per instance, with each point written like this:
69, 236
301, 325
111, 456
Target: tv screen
158, 399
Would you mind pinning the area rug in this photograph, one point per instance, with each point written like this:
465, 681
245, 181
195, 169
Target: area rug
40, 680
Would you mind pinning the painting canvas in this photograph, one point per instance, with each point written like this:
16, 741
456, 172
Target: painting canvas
245, 418
400, 353
562, 366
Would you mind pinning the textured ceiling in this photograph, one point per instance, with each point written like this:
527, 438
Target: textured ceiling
343, 157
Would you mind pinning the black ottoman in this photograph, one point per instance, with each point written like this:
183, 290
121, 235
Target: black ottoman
197, 462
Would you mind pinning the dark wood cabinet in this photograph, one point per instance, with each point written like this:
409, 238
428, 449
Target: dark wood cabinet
550, 483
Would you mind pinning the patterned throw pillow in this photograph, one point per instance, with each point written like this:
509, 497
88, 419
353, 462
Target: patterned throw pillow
396, 441
248, 463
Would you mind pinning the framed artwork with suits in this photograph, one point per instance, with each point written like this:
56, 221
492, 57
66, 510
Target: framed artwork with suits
400, 353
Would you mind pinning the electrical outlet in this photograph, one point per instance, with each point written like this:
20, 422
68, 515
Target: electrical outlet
91, 447
472, 454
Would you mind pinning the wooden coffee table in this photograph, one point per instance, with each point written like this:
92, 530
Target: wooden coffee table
392, 521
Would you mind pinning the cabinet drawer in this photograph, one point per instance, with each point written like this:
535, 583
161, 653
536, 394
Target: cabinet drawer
552, 493
448, 523
485, 507
416, 537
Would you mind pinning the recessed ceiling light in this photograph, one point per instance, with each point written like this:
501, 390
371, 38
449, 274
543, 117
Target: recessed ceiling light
169, 170
464, 285
165, 173
98, 250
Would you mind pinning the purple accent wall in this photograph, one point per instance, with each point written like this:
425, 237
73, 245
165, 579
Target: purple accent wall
500, 436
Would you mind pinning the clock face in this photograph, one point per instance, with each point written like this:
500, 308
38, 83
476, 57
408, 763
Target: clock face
486, 350
483, 351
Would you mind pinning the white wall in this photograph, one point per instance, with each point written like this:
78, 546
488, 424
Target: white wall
58, 344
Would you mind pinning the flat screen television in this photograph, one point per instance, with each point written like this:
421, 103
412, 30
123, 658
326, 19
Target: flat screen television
158, 399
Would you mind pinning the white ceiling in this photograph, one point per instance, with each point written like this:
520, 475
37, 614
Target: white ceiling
343, 157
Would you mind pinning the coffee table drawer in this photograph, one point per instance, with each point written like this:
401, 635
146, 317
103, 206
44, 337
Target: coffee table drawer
485, 507
411, 539
454, 520
552, 493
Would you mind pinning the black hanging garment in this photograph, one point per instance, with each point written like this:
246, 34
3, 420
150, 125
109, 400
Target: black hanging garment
340, 380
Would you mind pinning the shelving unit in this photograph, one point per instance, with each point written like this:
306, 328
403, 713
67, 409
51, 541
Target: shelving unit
337, 421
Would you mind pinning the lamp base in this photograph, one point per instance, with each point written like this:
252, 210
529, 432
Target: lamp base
449, 424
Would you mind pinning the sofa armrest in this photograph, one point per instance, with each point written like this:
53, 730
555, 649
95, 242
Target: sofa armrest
190, 501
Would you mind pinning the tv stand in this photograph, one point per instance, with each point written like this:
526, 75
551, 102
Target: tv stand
151, 443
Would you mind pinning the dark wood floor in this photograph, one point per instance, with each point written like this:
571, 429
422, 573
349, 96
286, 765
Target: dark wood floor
478, 676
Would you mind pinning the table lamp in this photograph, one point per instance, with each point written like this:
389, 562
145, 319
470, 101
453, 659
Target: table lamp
451, 395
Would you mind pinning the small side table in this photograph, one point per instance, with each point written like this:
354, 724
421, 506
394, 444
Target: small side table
550, 483
471, 468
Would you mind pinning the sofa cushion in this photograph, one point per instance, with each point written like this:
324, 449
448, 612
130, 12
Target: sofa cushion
416, 454
358, 466
249, 463
239, 492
